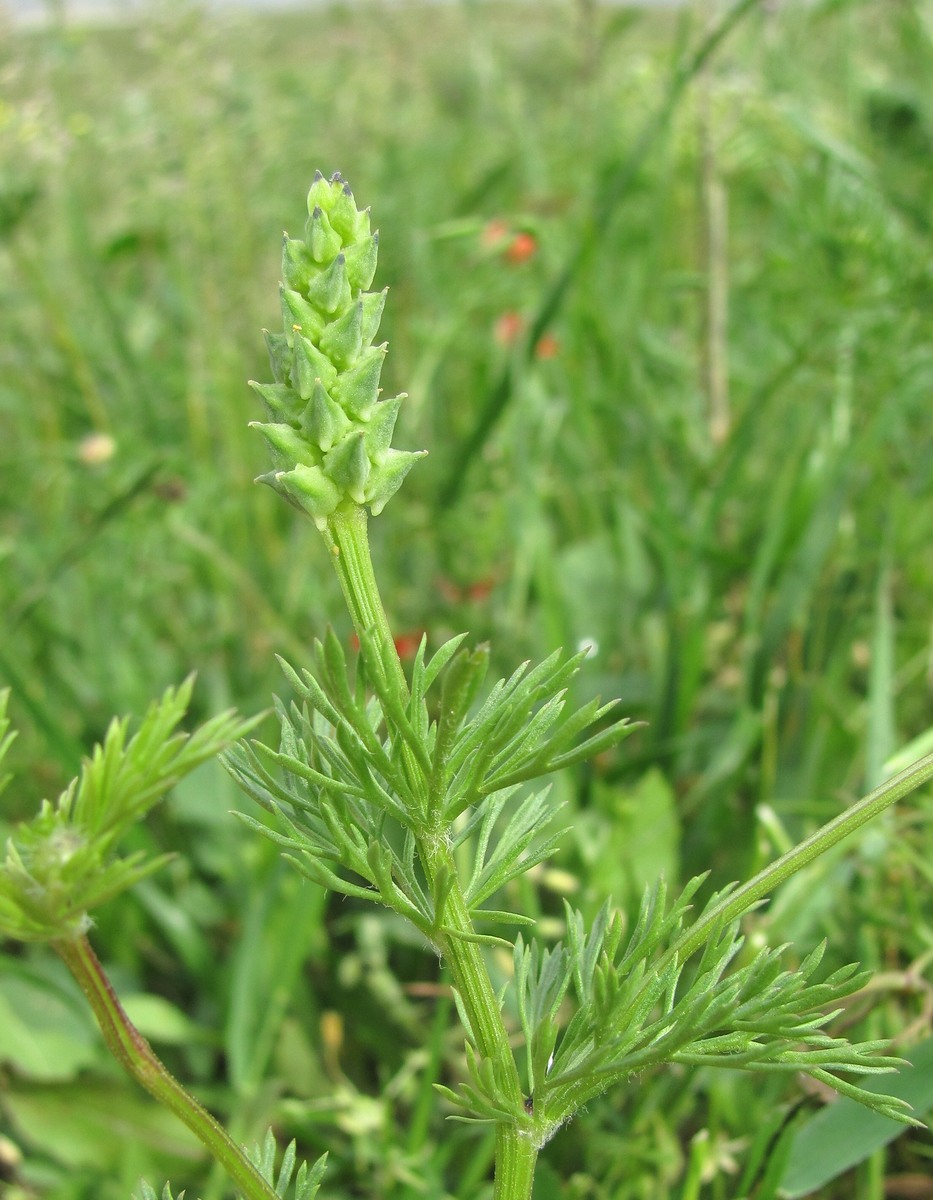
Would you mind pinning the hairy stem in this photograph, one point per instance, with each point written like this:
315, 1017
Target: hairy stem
516, 1151
134, 1053
516, 1156
471, 978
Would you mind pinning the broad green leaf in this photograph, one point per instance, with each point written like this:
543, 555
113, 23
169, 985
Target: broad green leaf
88, 1124
43, 1036
161, 1021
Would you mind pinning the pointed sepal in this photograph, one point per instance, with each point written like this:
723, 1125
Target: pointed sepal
387, 478
329, 290
361, 262
380, 427
299, 316
310, 365
323, 420
343, 213
358, 388
281, 402
342, 340
279, 356
324, 241
373, 304
320, 193
349, 467
298, 266
312, 490
287, 443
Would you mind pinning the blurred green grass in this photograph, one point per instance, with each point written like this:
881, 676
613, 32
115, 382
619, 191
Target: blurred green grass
762, 600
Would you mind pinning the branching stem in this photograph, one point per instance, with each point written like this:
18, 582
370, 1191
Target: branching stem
516, 1151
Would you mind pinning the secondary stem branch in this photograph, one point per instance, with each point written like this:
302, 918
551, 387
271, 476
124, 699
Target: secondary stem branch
742, 899
135, 1054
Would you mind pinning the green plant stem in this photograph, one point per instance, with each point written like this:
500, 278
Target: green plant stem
516, 1149
516, 1157
347, 538
471, 978
742, 899
135, 1054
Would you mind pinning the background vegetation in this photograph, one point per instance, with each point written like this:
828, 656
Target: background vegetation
737, 517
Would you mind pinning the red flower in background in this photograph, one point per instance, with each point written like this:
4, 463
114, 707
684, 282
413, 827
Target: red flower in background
548, 347
480, 588
522, 247
508, 328
406, 644
476, 591
516, 247
495, 234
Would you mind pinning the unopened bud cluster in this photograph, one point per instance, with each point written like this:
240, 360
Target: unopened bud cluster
329, 431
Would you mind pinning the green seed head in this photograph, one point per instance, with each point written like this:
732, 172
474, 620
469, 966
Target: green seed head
328, 429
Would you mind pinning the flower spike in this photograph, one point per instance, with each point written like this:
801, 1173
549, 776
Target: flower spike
327, 427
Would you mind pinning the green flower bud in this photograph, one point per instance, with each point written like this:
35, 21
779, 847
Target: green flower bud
310, 365
297, 265
342, 340
348, 465
282, 403
287, 444
358, 388
311, 490
279, 355
299, 316
373, 303
330, 290
323, 241
361, 261
329, 432
344, 216
321, 192
388, 477
323, 420
381, 426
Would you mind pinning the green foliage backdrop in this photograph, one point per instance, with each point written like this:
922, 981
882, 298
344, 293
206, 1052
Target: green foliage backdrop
761, 599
